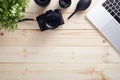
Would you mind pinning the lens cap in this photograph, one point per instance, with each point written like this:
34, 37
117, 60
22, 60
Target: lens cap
42, 3
65, 3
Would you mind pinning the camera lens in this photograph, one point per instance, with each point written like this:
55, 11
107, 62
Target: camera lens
65, 3
52, 21
42, 3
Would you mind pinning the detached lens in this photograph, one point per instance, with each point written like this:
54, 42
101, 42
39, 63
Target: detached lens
65, 3
42, 3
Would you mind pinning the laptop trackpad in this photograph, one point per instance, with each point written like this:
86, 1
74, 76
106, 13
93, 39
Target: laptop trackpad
112, 31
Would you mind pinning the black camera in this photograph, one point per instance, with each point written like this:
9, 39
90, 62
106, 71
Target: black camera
50, 20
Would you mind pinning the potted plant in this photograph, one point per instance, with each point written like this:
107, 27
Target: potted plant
11, 12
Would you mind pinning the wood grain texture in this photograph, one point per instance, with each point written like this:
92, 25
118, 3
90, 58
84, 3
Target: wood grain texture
53, 38
59, 71
74, 51
59, 55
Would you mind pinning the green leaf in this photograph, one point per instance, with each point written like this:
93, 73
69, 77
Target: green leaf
11, 11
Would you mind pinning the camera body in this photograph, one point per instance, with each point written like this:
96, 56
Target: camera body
50, 20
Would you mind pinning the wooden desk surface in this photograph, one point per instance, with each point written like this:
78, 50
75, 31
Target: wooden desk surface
74, 51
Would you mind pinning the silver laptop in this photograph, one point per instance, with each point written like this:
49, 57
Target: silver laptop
106, 18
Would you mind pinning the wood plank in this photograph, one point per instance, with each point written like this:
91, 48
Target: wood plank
60, 71
59, 54
61, 38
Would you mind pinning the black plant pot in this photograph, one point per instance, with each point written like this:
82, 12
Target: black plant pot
42, 3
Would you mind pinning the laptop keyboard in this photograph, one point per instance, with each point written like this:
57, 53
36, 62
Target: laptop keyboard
113, 7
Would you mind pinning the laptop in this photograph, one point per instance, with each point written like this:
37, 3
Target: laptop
105, 16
